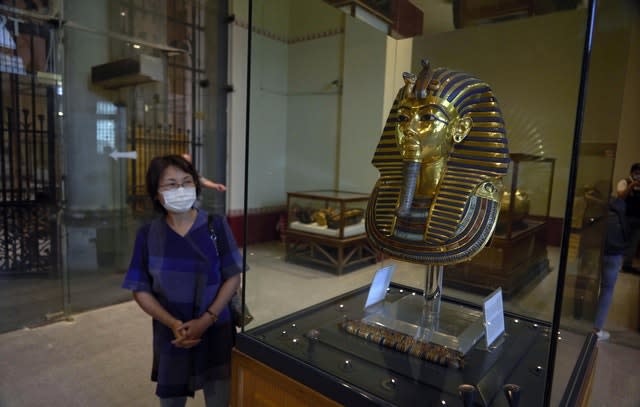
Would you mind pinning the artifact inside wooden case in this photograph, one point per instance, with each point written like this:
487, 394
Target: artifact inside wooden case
338, 214
326, 228
517, 253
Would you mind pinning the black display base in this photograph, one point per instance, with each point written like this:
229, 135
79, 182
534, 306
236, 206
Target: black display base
310, 347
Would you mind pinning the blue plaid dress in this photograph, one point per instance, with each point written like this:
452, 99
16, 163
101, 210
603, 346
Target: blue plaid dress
184, 274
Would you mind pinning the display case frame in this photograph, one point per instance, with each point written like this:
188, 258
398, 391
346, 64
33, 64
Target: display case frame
337, 386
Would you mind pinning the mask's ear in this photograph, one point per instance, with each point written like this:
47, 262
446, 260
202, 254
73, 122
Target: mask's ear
461, 129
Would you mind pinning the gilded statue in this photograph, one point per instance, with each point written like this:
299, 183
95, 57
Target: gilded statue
441, 158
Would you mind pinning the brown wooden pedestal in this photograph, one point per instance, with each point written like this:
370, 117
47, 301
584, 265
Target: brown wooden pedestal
507, 263
254, 384
333, 253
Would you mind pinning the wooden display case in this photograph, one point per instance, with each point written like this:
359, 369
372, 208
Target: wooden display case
326, 227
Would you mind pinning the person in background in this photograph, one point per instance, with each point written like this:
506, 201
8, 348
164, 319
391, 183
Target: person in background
628, 190
205, 182
184, 280
615, 244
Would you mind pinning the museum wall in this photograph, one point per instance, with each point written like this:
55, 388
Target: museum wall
268, 121
337, 102
323, 133
608, 97
362, 105
607, 72
295, 87
316, 39
313, 107
294, 45
312, 17
628, 149
268, 118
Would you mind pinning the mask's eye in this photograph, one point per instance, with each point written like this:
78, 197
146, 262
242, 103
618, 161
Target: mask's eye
403, 118
432, 118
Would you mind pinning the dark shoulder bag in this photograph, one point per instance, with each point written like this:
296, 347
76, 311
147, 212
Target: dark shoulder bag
235, 304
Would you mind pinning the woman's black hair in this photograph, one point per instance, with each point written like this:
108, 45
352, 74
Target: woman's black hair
635, 167
155, 170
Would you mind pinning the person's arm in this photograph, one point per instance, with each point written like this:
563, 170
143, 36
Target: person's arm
207, 183
228, 288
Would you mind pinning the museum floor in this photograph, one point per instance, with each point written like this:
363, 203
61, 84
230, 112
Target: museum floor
102, 357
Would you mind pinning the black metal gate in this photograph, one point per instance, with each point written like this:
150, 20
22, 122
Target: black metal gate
28, 227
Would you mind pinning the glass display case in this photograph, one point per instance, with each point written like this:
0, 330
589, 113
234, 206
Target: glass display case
517, 252
326, 228
530, 181
338, 214
333, 80
318, 344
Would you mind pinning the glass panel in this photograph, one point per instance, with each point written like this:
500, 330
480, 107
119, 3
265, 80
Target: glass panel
139, 70
607, 151
81, 121
323, 84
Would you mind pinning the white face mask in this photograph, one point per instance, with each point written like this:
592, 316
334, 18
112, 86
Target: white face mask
179, 200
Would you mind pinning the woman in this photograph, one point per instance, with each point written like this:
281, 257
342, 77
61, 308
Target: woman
183, 276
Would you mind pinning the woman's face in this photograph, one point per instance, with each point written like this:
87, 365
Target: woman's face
171, 179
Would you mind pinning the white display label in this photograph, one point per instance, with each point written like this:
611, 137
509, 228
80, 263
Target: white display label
493, 316
379, 285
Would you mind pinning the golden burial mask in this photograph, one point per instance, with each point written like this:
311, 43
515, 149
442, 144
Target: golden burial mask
441, 158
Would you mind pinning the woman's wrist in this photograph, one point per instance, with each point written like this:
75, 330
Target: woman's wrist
174, 324
212, 316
